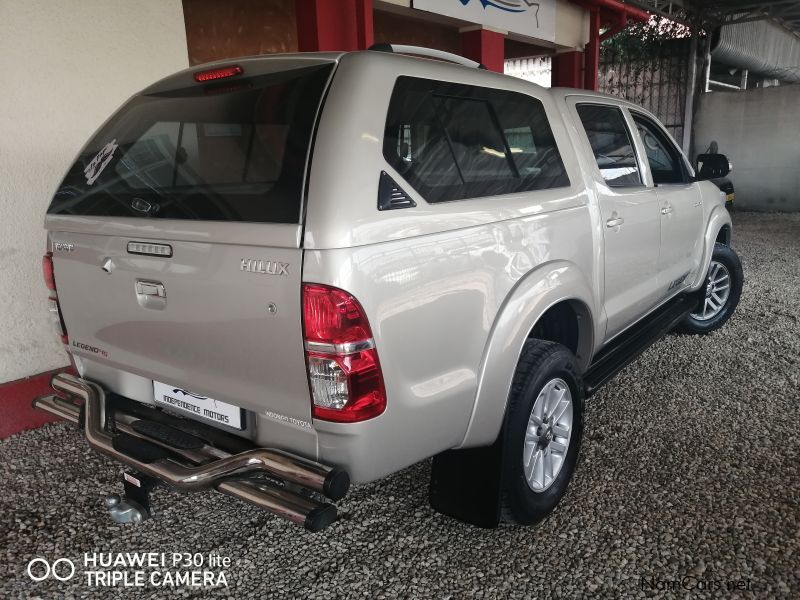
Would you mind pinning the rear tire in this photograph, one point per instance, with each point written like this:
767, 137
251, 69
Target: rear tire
719, 295
542, 432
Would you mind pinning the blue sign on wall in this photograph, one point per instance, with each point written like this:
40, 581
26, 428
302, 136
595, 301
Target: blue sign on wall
506, 5
526, 17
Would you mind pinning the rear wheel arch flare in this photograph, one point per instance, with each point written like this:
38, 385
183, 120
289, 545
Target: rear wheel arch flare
538, 291
569, 323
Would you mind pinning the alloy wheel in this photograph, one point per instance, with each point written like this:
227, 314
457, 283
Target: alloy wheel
717, 290
548, 435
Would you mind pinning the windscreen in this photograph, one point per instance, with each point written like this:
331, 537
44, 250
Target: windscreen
231, 151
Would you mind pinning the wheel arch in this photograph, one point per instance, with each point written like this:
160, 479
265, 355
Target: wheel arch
569, 323
724, 235
556, 290
719, 225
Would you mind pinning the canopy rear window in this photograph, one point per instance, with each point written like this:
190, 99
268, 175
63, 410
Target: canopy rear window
235, 150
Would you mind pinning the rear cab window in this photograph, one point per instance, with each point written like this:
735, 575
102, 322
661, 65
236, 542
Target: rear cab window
453, 141
235, 150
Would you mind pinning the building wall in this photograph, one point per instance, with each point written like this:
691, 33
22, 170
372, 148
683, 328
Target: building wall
396, 29
65, 67
759, 131
572, 25
537, 70
216, 30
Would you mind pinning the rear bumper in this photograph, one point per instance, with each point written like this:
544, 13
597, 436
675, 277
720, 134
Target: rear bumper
186, 461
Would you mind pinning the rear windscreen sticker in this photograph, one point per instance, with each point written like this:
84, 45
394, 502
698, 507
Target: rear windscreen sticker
100, 162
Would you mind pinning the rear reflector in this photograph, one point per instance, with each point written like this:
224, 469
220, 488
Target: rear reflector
344, 373
222, 73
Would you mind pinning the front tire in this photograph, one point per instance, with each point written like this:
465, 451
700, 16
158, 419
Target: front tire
542, 432
720, 294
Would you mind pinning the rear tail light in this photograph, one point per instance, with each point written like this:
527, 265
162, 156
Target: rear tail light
214, 74
344, 373
47, 269
52, 303
58, 321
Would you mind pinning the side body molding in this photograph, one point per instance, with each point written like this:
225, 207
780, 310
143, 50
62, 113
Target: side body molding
540, 289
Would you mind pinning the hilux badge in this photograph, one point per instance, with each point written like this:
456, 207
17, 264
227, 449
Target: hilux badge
265, 267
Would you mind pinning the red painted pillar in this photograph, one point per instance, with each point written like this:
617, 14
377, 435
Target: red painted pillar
567, 70
592, 51
364, 28
333, 25
484, 46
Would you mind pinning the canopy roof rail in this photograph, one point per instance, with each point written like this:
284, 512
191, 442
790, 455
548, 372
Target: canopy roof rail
427, 53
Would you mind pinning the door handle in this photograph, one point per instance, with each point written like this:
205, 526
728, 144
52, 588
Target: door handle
666, 210
615, 222
150, 288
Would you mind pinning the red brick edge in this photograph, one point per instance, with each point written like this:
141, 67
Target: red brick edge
16, 412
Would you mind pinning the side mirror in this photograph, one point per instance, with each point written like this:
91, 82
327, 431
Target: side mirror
712, 166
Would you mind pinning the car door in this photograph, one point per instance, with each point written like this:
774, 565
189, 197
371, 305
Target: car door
629, 214
680, 204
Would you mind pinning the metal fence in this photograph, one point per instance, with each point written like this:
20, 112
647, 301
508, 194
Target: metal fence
657, 83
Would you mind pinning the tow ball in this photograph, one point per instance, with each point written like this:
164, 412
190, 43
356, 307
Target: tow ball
134, 506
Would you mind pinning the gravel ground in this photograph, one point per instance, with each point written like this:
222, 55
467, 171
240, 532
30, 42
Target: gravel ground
689, 473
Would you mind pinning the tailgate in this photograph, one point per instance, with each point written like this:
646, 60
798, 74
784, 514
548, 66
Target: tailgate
176, 240
221, 320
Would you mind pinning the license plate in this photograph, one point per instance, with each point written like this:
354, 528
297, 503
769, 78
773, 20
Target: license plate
220, 413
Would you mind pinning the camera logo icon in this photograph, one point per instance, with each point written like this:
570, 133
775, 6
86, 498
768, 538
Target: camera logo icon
40, 569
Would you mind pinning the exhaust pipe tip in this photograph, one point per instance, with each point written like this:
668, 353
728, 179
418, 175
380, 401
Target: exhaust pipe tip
58, 407
336, 484
320, 517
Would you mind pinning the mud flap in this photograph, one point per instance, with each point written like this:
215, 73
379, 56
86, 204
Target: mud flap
466, 485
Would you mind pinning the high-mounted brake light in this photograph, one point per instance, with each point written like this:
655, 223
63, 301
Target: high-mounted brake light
344, 373
222, 73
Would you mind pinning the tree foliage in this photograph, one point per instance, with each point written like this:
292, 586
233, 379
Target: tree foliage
642, 41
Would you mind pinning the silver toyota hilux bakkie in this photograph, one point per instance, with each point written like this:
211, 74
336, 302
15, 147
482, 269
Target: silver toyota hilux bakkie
280, 274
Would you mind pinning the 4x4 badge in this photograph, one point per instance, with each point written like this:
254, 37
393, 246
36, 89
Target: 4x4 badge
265, 267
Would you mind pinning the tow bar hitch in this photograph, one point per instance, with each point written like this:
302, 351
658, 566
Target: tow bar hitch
134, 505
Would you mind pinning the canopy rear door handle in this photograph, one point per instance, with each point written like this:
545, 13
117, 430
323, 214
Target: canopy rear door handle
150, 288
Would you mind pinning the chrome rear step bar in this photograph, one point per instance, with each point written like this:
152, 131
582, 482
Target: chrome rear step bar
211, 467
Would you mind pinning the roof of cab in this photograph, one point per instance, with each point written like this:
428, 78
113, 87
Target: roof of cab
256, 65
564, 92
